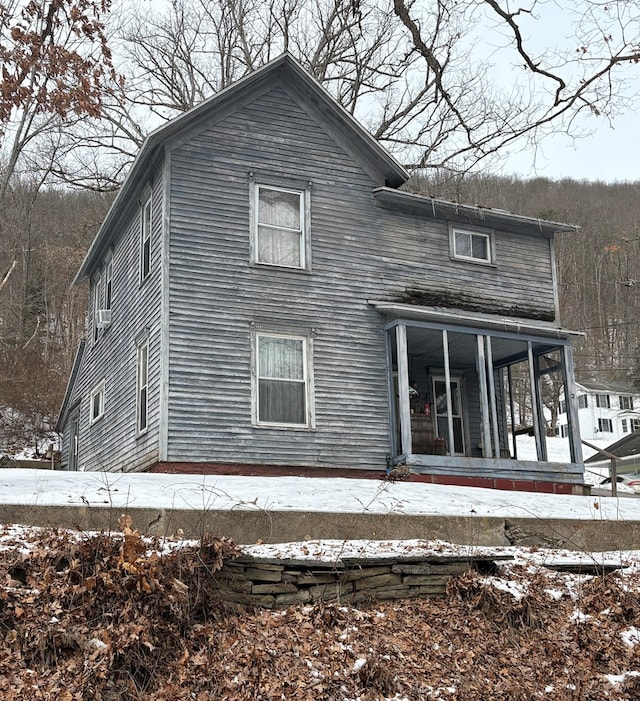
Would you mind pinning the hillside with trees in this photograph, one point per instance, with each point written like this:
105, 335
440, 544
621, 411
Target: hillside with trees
81, 86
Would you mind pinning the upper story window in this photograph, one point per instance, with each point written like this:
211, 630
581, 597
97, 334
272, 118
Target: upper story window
282, 380
96, 403
145, 239
97, 306
102, 299
563, 406
626, 401
474, 246
582, 401
280, 228
108, 283
603, 401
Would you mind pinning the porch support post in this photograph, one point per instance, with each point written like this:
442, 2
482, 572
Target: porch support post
492, 398
393, 410
570, 397
541, 426
447, 381
533, 383
512, 413
403, 389
484, 399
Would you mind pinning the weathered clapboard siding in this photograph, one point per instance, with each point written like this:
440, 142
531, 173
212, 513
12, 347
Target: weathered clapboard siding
359, 252
111, 443
350, 386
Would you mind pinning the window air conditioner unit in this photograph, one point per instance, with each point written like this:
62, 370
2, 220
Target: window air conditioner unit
104, 318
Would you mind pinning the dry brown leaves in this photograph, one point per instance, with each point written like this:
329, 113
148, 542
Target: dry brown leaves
108, 617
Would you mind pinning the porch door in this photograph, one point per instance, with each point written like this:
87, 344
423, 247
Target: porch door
440, 408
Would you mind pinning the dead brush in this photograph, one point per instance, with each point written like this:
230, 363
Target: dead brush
515, 610
378, 678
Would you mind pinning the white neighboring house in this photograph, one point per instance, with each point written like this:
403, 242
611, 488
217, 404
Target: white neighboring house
606, 411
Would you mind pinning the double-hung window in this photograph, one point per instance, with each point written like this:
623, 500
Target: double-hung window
142, 385
145, 240
282, 380
280, 221
475, 246
603, 401
96, 403
605, 425
626, 402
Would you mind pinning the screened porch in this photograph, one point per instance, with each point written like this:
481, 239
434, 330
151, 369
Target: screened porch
465, 388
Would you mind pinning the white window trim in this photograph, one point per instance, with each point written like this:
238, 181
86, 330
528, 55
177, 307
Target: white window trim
305, 204
486, 233
603, 400
145, 236
142, 345
98, 390
307, 351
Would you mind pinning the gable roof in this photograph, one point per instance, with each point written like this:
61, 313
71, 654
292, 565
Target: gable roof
285, 67
609, 387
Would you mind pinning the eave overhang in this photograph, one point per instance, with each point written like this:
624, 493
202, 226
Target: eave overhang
472, 215
66, 402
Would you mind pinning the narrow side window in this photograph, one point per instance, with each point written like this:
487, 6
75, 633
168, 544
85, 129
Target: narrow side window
145, 240
142, 382
96, 403
97, 306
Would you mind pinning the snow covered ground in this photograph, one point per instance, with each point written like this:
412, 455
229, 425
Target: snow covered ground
330, 495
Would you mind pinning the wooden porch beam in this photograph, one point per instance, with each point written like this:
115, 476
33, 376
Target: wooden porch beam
403, 389
487, 449
447, 380
492, 398
534, 400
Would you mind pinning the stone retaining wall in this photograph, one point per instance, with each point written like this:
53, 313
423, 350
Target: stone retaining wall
273, 583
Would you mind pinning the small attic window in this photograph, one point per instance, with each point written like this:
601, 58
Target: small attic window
471, 245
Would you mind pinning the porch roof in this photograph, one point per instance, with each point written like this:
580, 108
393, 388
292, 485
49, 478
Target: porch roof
468, 321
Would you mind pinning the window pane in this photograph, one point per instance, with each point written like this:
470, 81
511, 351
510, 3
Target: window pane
463, 244
480, 247
281, 358
279, 246
279, 208
282, 402
142, 419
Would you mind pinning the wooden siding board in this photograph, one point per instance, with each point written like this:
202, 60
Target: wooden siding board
359, 252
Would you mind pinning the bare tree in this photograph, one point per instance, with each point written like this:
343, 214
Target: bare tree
548, 86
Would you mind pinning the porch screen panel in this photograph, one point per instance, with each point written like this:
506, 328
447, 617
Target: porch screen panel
282, 391
279, 227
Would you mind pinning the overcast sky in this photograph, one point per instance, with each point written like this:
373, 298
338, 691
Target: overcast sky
611, 153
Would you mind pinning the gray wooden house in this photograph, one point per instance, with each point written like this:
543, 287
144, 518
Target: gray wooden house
264, 293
